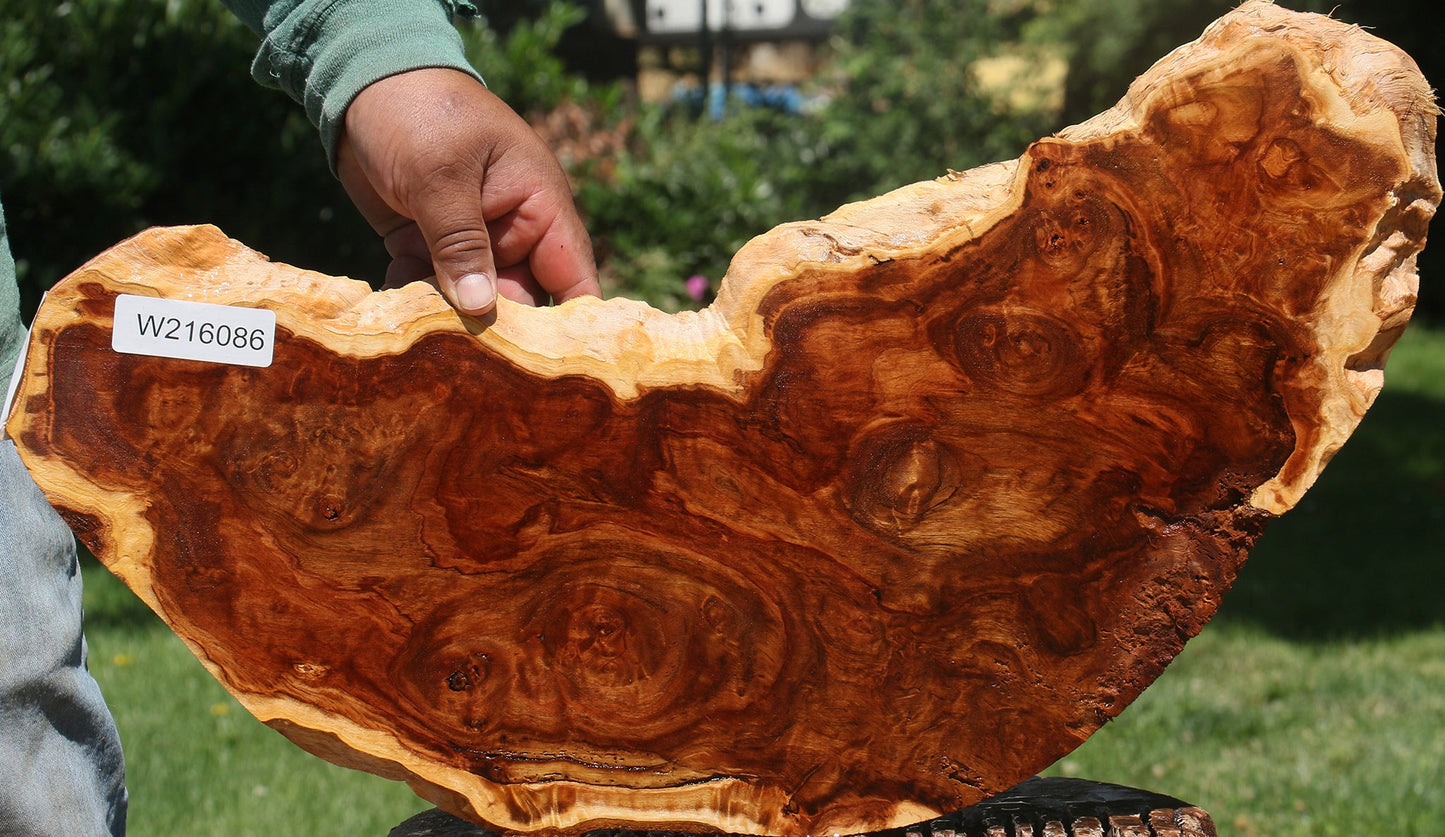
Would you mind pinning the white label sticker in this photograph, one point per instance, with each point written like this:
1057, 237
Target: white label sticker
177, 328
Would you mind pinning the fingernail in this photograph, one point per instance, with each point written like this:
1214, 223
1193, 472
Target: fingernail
476, 292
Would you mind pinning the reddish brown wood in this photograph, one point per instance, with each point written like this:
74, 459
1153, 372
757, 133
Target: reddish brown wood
939, 484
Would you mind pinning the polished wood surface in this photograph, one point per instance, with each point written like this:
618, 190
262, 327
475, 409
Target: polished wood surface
935, 488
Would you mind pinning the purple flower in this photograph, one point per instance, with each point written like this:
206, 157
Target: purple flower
697, 287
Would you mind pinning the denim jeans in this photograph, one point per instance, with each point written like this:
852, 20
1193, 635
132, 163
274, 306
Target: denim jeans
60, 761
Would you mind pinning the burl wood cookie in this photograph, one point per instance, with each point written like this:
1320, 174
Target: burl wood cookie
936, 487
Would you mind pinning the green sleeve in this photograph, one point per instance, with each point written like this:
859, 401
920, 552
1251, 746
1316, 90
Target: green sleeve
323, 52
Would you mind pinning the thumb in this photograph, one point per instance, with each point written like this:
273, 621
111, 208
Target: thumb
451, 223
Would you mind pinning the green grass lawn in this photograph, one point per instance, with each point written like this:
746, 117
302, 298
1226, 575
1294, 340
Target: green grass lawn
1314, 705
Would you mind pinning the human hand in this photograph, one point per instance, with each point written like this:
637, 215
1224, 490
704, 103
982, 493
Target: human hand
461, 187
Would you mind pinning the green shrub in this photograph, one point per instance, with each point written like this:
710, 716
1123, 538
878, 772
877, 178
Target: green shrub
688, 193
898, 103
907, 103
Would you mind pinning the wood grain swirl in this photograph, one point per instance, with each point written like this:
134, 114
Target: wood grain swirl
939, 484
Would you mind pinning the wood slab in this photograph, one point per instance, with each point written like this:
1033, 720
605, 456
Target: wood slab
935, 488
